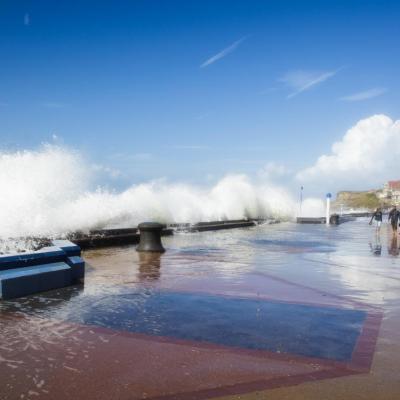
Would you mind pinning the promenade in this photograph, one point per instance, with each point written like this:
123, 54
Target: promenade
280, 311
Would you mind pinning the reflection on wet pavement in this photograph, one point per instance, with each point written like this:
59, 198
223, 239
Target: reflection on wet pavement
220, 313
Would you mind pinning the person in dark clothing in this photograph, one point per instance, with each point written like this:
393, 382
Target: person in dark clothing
377, 216
394, 217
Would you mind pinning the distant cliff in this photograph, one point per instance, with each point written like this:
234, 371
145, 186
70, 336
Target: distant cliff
368, 199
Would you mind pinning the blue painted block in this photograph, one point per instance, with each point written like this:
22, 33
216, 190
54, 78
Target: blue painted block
29, 280
71, 249
77, 265
42, 256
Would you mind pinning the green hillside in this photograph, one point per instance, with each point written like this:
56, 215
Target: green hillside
356, 200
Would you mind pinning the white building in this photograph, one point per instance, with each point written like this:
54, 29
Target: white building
391, 192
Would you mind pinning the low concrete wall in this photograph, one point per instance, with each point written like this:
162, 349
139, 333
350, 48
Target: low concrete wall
311, 220
126, 236
110, 237
218, 225
335, 219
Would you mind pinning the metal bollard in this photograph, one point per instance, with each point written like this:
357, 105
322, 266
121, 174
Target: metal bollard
150, 237
334, 219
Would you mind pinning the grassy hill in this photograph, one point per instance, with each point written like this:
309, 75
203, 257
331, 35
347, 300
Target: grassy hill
365, 200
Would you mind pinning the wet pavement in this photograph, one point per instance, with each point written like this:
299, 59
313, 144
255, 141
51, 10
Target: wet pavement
277, 311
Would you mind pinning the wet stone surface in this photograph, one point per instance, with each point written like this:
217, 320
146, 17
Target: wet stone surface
245, 323
266, 307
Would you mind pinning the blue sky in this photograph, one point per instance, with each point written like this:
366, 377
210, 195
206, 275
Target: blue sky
192, 90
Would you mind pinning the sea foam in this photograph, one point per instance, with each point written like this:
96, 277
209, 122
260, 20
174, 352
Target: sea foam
50, 191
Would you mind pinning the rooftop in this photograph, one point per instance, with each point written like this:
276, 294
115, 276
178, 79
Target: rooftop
393, 185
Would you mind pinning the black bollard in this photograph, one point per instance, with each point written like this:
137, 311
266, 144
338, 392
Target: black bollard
334, 220
150, 237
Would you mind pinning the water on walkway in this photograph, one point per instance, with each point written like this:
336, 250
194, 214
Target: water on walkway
220, 313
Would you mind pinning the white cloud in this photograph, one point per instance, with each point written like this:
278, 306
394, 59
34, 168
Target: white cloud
300, 81
223, 53
366, 157
103, 169
365, 95
273, 171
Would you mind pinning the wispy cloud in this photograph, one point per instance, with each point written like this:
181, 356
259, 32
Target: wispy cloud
301, 81
27, 19
223, 53
274, 171
365, 95
104, 169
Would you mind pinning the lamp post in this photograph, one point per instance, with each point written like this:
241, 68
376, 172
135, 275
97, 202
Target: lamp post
328, 208
301, 198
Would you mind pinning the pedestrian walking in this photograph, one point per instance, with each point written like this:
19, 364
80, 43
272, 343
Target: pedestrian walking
377, 217
394, 217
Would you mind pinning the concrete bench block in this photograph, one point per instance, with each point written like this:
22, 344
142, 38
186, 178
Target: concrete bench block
71, 249
24, 281
42, 256
77, 265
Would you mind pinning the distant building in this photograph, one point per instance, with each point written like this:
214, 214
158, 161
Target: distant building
390, 192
